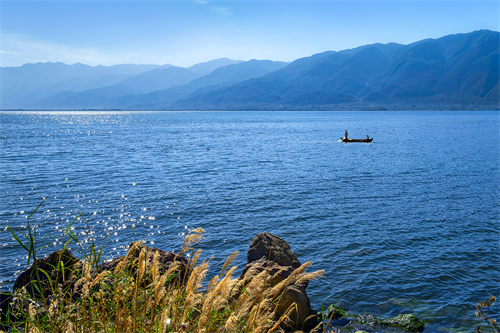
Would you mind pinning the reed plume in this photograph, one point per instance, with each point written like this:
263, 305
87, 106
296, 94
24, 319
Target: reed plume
138, 295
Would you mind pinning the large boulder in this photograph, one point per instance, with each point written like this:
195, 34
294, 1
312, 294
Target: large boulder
165, 260
58, 265
272, 248
270, 253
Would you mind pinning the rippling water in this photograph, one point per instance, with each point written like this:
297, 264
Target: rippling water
408, 223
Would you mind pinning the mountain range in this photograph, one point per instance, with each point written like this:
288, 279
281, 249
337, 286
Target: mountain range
458, 71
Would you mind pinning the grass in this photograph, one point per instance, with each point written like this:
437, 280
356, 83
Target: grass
140, 295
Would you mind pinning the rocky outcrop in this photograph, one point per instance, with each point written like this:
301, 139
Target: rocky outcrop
270, 253
407, 321
273, 249
58, 266
165, 260
401, 323
268, 257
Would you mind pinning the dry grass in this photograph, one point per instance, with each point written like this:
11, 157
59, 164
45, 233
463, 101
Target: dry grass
137, 296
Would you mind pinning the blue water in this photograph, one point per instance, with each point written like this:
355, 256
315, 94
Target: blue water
408, 223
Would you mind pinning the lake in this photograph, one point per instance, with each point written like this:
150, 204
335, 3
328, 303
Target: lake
406, 224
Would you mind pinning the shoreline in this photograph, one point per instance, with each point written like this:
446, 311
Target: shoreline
267, 254
335, 108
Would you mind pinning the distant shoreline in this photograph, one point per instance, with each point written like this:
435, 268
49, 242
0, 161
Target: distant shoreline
329, 108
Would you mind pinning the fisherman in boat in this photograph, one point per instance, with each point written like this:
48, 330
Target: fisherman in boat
345, 135
367, 137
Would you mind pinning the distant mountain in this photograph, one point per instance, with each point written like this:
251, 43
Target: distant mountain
53, 85
158, 79
208, 67
221, 77
88, 99
161, 87
464, 68
455, 71
25, 86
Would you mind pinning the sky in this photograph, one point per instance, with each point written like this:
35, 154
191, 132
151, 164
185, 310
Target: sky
186, 32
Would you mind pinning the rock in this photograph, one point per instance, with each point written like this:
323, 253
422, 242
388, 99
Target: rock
32, 287
52, 265
295, 294
406, 321
368, 320
277, 273
271, 253
273, 248
165, 260
109, 265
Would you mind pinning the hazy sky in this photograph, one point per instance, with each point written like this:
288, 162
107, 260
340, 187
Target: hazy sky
185, 32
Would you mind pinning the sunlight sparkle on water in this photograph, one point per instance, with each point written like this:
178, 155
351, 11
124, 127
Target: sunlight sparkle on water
306, 179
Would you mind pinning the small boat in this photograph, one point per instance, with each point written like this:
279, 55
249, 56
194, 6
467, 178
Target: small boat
367, 140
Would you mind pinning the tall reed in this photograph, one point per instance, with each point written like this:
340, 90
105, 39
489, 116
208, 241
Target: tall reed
138, 295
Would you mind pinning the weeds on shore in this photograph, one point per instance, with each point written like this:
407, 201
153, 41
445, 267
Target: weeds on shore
483, 312
138, 294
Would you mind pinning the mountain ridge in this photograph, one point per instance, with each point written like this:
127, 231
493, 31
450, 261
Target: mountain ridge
454, 71
418, 73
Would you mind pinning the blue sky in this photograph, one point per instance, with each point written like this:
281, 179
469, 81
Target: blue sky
185, 32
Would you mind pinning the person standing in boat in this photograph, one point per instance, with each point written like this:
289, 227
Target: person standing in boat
345, 134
